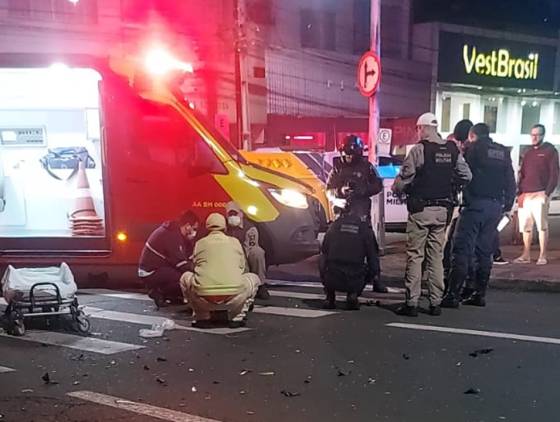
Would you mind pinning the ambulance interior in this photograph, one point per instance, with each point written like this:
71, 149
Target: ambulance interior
49, 122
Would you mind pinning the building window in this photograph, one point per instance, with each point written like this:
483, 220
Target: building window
491, 117
446, 114
84, 11
361, 39
530, 116
556, 125
329, 31
467, 111
309, 29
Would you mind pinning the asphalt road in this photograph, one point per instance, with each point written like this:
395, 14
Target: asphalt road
293, 363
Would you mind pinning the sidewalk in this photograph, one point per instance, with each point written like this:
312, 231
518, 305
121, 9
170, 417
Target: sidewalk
529, 277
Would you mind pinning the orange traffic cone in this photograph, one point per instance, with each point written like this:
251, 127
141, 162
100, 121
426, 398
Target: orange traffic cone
84, 220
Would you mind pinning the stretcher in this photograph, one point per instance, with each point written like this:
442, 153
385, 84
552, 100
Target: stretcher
41, 292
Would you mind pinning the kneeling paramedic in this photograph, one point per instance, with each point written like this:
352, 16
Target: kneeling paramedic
220, 281
348, 258
428, 176
490, 194
165, 258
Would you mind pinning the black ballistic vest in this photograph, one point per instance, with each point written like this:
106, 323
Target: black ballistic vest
488, 161
435, 179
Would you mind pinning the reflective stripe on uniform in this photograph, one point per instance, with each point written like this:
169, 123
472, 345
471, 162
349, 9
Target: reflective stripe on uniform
151, 249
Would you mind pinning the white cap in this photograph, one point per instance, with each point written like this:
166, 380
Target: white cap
427, 119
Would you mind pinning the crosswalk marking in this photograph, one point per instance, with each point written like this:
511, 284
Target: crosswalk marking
139, 408
302, 295
549, 340
3, 301
150, 320
88, 344
115, 294
4, 369
291, 312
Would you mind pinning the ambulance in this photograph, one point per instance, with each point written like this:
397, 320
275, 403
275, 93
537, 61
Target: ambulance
95, 154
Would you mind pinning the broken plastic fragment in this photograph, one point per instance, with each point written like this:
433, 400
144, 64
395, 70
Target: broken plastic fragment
472, 391
290, 393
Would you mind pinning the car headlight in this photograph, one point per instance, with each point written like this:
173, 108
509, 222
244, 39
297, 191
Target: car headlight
290, 198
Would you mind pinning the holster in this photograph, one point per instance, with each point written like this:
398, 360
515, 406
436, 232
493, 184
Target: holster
414, 205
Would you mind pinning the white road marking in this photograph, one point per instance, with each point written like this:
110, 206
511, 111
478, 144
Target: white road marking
115, 294
139, 408
150, 320
318, 285
3, 301
509, 336
88, 344
302, 295
291, 312
4, 369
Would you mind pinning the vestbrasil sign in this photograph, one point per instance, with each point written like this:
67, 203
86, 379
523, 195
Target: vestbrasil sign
500, 63
484, 61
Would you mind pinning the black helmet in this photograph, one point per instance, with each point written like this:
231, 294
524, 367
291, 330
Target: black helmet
352, 145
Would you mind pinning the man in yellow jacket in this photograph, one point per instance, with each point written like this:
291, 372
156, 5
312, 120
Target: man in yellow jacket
220, 281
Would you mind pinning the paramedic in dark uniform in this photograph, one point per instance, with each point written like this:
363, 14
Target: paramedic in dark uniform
351, 184
428, 176
348, 258
490, 194
166, 256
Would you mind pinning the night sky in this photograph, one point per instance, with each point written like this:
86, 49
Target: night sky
539, 17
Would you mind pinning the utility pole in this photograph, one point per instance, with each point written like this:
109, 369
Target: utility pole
241, 83
378, 203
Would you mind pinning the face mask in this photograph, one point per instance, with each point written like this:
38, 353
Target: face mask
234, 220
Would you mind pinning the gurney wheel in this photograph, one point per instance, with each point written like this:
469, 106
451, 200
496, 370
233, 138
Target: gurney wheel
16, 326
81, 322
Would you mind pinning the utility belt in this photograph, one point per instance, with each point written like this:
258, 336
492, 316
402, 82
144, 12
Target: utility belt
414, 204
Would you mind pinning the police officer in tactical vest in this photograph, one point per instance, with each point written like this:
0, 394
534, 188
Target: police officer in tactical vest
351, 184
348, 258
490, 194
427, 177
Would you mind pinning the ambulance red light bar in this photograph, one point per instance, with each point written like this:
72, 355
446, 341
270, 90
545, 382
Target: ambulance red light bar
158, 61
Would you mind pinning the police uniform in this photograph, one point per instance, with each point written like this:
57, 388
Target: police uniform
362, 182
348, 257
427, 177
490, 193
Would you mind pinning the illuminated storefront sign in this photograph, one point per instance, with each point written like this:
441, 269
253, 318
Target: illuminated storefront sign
492, 62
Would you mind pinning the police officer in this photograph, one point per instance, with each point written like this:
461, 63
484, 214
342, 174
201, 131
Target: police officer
427, 176
490, 194
348, 258
350, 185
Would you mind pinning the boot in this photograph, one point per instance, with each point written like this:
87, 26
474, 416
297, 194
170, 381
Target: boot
450, 301
262, 293
407, 310
352, 302
476, 299
379, 286
330, 300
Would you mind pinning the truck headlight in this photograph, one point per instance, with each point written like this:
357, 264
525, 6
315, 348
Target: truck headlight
290, 198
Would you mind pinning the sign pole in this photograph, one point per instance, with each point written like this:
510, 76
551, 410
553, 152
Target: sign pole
377, 217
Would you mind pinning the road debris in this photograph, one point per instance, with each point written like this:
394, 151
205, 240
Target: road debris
290, 393
161, 359
265, 374
47, 379
480, 352
473, 391
161, 381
